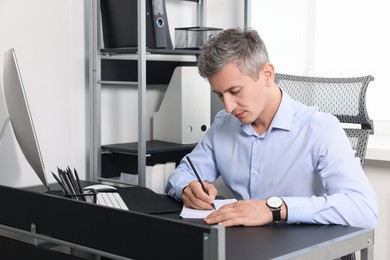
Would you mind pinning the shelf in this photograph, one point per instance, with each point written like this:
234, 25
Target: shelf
153, 146
151, 57
118, 83
123, 157
133, 50
126, 70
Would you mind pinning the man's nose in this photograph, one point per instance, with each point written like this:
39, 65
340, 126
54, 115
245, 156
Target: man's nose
228, 103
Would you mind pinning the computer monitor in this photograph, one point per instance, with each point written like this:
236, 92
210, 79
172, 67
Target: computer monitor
20, 116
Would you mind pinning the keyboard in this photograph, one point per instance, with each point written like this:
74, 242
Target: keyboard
110, 199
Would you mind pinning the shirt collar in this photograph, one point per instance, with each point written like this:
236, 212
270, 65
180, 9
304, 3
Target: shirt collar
284, 116
282, 120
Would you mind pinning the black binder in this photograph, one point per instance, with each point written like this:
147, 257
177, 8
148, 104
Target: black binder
120, 23
160, 24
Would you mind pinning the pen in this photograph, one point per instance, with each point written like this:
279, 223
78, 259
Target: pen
60, 175
68, 181
75, 183
78, 181
78, 186
72, 180
60, 183
200, 181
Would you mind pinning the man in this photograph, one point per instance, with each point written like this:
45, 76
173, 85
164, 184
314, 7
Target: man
282, 160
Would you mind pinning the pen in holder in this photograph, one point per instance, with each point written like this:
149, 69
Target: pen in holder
87, 195
70, 184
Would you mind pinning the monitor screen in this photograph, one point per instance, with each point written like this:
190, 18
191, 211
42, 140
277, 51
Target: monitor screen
20, 116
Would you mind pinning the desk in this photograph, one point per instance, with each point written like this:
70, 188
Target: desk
122, 234
283, 241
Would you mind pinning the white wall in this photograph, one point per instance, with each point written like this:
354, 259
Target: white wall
48, 37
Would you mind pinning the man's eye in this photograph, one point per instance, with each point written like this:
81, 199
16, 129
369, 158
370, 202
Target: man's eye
234, 91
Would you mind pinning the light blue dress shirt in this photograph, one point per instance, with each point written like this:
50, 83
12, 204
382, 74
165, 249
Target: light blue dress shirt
305, 157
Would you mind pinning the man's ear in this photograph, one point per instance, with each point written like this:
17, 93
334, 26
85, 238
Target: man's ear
269, 73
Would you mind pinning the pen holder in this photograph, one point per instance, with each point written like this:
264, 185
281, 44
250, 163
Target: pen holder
87, 195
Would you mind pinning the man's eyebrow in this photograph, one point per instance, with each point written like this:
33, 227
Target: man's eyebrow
227, 90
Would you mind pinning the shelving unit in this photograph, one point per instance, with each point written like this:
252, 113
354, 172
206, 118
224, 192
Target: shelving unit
136, 63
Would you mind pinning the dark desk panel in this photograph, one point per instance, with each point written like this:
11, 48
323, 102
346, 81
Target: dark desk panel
13, 249
107, 231
125, 233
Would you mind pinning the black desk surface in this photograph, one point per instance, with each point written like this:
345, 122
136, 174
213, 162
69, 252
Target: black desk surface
265, 242
275, 240
137, 199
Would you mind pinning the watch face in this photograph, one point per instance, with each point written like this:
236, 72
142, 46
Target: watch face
274, 202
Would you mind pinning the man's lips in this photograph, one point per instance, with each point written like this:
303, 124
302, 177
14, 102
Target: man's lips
239, 115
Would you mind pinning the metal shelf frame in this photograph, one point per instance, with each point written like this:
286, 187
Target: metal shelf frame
95, 83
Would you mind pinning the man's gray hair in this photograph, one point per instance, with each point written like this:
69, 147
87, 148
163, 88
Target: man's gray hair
243, 47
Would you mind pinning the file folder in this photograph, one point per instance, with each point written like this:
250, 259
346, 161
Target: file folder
120, 24
160, 24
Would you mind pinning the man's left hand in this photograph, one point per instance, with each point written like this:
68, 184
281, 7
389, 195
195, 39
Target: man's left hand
245, 213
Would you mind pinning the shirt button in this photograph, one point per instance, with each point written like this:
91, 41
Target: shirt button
254, 172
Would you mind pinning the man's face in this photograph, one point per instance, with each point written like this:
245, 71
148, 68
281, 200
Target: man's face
241, 95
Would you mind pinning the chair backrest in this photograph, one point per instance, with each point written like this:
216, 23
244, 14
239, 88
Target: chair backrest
343, 97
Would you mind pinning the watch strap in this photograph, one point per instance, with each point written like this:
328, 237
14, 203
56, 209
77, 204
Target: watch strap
276, 214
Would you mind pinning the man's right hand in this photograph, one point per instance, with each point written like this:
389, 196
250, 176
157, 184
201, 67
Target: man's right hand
194, 197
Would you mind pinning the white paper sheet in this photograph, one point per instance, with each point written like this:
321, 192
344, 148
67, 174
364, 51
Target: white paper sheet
199, 213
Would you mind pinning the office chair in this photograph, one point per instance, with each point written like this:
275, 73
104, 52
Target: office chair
343, 97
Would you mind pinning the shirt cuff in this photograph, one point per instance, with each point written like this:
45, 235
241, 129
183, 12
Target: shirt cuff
299, 210
176, 190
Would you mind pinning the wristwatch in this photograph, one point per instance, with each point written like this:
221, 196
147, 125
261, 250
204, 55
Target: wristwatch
275, 205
